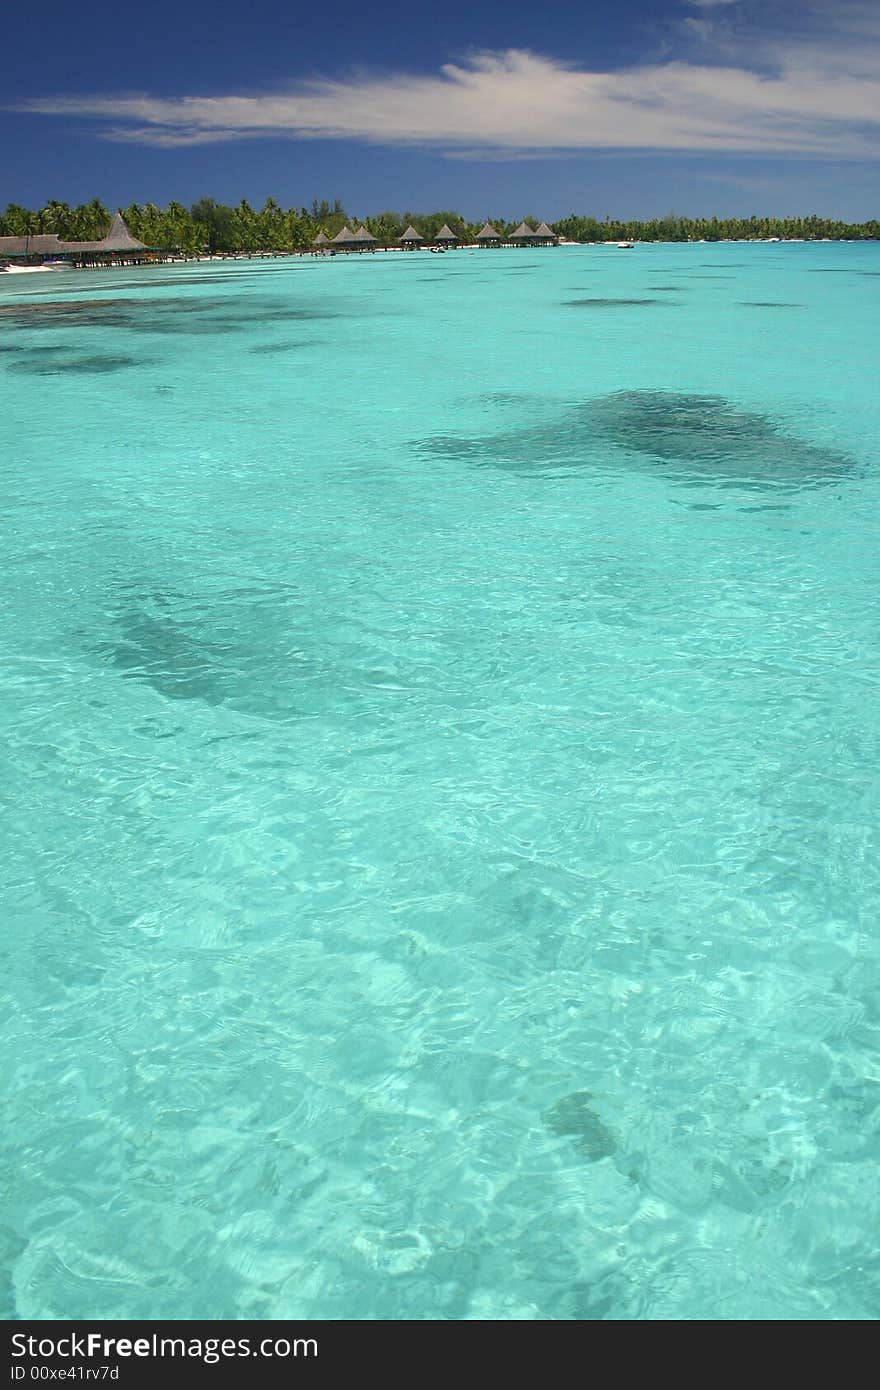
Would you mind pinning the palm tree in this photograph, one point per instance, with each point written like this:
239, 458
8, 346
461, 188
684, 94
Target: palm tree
15, 220
244, 234
32, 227
56, 217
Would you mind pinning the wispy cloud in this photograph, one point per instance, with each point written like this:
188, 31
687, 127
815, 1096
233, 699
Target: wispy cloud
817, 92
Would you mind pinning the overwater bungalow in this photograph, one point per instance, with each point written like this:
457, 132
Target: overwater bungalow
364, 240
488, 236
321, 240
118, 247
547, 236
522, 236
527, 236
446, 237
345, 240
411, 239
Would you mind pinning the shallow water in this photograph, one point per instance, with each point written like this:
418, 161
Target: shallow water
440, 787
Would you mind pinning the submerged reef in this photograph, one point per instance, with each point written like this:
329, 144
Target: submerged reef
697, 436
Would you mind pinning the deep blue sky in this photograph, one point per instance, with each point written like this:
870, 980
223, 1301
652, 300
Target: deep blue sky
598, 106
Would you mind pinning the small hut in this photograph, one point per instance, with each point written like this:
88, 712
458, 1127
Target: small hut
345, 240
523, 236
321, 240
446, 236
488, 236
547, 236
365, 241
411, 239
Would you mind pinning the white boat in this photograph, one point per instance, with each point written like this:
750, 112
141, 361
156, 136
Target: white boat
25, 269
625, 245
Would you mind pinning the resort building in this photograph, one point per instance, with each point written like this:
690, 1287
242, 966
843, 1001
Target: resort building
411, 238
36, 247
445, 236
522, 236
547, 236
321, 240
488, 236
118, 247
347, 240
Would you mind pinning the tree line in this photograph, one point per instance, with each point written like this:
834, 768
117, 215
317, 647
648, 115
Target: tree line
211, 226
673, 227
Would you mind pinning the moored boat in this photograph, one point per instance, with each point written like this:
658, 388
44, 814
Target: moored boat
24, 269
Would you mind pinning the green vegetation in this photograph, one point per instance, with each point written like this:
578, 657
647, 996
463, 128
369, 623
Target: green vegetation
672, 227
211, 226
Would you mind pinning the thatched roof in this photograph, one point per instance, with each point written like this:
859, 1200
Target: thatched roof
365, 237
119, 238
522, 232
41, 244
410, 235
346, 235
544, 230
321, 240
488, 233
446, 234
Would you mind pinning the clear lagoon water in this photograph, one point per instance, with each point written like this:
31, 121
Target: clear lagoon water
441, 787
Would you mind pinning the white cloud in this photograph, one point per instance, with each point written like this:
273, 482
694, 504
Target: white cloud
813, 96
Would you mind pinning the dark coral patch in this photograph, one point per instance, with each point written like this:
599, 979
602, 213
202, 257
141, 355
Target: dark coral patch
56, 350
575, 1118
181, 314
52, 365
695, 436
246, 647
270, 349
607, 303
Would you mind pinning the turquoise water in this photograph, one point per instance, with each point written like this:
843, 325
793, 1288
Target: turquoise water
440, 780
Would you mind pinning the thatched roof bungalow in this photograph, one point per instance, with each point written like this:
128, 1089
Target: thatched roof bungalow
119, 239
117, 245
365, 241
411, 237
446, 236
489, 236
345, 240
321, 239
547, 236
523, 235
527, 236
